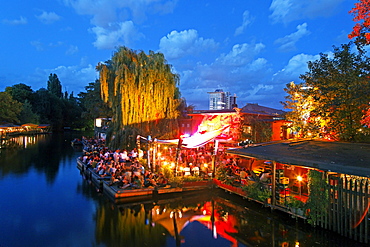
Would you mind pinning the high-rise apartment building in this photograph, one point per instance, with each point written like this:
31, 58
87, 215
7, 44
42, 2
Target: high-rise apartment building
219, 100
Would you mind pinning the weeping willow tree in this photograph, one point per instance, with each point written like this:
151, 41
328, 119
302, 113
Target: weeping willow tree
143, 94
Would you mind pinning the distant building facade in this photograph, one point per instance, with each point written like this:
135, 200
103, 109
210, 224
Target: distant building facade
219, 100
254, 122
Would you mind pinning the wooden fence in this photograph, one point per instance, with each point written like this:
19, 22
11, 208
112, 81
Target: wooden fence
348, 210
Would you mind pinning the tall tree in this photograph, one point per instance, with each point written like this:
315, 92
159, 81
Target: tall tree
301, 106
9, 108
361, 30
366, 118
50, 108
92, 104
340, 88
54, 86
142, 92
21, 92
27, 115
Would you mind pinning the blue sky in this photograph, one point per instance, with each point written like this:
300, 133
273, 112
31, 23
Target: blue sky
247, 47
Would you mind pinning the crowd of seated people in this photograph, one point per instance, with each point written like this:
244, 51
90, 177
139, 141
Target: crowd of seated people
124, 169
121, 167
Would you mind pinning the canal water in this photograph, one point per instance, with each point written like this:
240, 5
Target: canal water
45, 201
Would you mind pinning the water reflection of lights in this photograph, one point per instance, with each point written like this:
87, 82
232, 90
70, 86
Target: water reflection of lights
25, 141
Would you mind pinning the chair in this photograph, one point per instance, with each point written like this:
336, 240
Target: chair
187, 171
196, 171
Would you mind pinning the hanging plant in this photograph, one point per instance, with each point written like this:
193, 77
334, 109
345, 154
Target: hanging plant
318, 202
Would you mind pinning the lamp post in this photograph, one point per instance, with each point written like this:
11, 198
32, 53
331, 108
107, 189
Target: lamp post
299, 178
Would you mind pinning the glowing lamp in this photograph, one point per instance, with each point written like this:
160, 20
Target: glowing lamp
98, 122
299, 178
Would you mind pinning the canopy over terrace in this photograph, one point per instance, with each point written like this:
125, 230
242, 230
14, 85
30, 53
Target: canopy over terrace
339, 157
197, 140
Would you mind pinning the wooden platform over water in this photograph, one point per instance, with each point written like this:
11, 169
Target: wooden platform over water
116, 193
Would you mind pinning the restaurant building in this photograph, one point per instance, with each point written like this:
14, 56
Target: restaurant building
330, 179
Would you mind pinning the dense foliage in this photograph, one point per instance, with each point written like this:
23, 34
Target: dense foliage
92, 105
143, 94
361, 30
318, 200
20, 104
9, 108
333, 96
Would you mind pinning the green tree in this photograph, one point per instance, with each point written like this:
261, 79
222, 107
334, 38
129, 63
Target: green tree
339, 86
143, 94
27, 115
50, 108
72, 112
21, 92
304, 123
9, 108
92, 104
54, 86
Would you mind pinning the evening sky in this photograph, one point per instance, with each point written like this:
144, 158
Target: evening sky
246, 47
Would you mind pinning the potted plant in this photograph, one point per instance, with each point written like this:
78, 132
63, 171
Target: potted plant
296, 206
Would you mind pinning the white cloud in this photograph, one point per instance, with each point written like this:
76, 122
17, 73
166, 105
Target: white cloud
296, 66
117, 34
115, 21
104, 12
48, 17
240, 54
187, 42
21, 21
236, 71
247, 19
72, 50
38, 45
289, 10
73, 78
288, 42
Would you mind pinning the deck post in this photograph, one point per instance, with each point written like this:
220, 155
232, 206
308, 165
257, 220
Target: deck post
273, 200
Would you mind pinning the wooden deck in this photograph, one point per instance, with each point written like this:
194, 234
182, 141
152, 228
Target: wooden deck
116, 193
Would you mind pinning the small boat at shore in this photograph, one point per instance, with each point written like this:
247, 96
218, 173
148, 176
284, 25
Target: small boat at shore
76, 142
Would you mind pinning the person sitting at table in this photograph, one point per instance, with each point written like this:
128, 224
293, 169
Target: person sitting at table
124, 183
161, 181
265, 176
150, 181
137, 182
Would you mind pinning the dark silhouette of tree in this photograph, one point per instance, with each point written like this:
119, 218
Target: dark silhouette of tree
27, 115
54, 86
21, 92
92, 104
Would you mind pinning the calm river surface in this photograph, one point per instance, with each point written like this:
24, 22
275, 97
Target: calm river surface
44, 201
